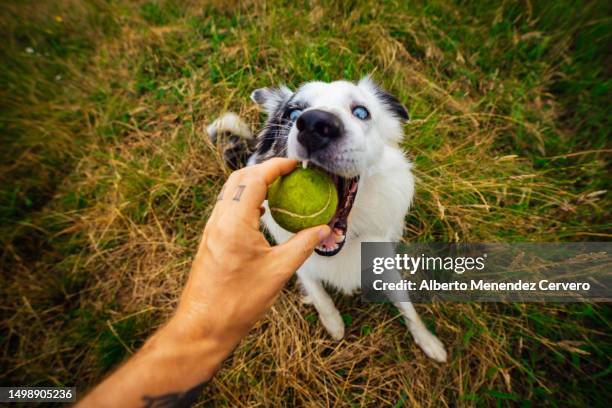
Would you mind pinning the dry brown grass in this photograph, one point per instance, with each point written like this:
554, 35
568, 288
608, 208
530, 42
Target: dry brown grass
122, 179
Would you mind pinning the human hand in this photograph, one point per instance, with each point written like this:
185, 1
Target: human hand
236, 274
235, 277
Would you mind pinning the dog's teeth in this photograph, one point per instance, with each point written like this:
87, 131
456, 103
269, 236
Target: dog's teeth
339, 239
323, 248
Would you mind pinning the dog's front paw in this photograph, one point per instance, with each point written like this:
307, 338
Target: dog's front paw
429, 343
334, 324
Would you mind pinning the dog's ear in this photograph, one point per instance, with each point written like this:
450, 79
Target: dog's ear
388, 100
393, 104
271, 99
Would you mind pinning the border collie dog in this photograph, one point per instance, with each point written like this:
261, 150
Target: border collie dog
351, 131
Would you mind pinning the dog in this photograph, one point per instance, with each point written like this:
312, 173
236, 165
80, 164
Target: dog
351, 130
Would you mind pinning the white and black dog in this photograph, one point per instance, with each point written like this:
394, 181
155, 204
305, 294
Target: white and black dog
352, 131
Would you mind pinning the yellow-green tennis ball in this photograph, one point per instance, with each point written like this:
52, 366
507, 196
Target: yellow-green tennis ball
302, 199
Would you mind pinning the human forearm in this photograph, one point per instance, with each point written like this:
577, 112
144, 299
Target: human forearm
170, 368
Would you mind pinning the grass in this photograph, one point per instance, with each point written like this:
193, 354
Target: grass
106, 181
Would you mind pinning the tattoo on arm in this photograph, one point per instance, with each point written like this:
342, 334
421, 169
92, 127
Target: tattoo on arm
174, 399
220, 196
239, 191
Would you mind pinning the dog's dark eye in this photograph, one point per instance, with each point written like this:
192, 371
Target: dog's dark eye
360, 112
294, 114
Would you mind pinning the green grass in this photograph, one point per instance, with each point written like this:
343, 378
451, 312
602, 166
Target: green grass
106, 181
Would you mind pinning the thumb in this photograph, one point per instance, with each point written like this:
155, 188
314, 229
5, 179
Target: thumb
294, 252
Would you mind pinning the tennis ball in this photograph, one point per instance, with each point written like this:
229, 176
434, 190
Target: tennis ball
302, 199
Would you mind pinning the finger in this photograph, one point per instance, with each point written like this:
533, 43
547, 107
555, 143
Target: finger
256, 180
253, 186
272, 169
224, 195
246, 189
241, 198
294, 252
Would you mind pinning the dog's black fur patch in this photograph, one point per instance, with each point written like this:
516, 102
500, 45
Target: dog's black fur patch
273, 137
236, 150
392, 103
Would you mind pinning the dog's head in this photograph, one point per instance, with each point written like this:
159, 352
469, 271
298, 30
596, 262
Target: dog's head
340, 127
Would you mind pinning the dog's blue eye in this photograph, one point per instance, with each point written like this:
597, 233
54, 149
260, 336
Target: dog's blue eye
294, 114
361, 112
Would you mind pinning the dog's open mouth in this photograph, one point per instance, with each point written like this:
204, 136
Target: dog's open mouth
347, 191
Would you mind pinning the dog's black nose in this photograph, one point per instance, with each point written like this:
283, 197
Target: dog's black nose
317, 129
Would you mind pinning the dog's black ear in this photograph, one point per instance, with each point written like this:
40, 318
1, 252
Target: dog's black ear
271, 99
388, 100
393, 104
